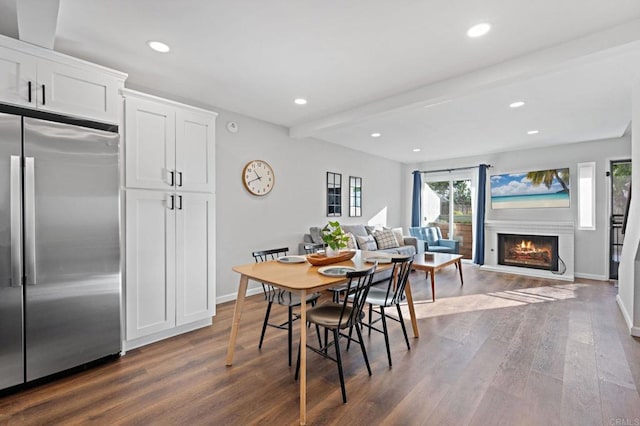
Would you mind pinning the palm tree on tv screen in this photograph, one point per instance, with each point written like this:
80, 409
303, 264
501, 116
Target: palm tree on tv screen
546, 177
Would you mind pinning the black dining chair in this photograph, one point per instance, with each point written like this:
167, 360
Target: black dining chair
280, 297
388, 296
312, 248
336, 317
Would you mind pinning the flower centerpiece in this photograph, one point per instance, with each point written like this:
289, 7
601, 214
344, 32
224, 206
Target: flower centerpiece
334, 237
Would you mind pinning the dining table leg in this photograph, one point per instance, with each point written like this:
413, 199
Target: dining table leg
412, 310
460, 270
237, 313
303, 358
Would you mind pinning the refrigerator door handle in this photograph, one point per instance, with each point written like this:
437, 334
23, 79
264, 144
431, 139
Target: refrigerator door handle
16, 221
30, 220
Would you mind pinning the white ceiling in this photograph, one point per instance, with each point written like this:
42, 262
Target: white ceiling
373, 65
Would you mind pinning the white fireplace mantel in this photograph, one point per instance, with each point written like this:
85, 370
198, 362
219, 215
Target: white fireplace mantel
563, 230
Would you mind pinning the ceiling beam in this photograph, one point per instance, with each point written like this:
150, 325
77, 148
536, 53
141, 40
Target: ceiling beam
37, 21
613, 41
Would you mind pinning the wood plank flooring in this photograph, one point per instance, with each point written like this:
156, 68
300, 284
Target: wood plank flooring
556, 354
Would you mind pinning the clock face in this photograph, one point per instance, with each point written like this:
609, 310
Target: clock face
258, 177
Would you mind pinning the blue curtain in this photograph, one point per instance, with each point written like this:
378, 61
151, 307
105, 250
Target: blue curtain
417, 198
480, 211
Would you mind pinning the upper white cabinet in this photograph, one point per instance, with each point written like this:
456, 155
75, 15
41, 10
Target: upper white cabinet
168, 145
39, 78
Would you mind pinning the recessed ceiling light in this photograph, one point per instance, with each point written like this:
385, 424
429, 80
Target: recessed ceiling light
158, 46
300, 101
533, 132
478, 30
416, 150
376, 135
516, 104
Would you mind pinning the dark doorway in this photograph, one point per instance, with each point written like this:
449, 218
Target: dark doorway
620, 175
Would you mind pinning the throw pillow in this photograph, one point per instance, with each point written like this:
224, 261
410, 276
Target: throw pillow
370, 229
366, 243
314, 231
351, 243
385, 239
399, 237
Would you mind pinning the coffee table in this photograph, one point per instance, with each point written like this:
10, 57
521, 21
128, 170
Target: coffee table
432, 262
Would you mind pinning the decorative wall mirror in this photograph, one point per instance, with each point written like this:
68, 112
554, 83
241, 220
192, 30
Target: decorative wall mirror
355, 196
334, 194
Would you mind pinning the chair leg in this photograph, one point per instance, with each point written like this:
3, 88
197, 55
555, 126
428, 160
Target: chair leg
264, 324
319, 337
290, 332
336, 337
404, 329
386, 333
364, 351
370, 317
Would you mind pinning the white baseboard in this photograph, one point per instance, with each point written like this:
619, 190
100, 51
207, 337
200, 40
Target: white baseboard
591, 276
527, 272
146, 340
234, 296
635, 331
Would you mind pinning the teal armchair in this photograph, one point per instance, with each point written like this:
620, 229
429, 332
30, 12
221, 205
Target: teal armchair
433, 241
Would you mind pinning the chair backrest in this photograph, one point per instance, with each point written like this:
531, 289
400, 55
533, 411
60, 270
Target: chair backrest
272, 254
313, 248
398, 279
356, 289
272, 293
433, 234
418, 232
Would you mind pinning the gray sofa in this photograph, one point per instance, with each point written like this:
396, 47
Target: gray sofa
410, 246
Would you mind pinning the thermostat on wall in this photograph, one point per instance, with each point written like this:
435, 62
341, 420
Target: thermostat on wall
232, 126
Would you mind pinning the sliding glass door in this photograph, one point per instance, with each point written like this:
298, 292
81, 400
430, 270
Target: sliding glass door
447, 203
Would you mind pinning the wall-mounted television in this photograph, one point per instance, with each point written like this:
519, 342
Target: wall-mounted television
534, 189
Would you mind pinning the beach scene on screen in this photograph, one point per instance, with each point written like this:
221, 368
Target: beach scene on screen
535, 189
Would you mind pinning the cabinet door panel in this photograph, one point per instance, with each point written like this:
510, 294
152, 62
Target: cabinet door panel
68, 90
195, 261
195, 145
150, 144
16, 71
150, 269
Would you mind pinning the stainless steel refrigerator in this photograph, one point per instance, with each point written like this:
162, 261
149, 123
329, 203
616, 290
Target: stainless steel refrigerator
59, 244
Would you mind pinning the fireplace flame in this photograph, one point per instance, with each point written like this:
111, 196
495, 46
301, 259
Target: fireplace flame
527, 245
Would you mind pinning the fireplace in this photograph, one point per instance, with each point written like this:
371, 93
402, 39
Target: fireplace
528, 251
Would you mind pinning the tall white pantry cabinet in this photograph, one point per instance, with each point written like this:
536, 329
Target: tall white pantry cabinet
170, 218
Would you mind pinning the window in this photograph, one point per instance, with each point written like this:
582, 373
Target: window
355, 196
587, 196
334, 194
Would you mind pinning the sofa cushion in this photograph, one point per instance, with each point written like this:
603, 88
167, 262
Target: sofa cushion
406, 250
314, 231
357, 230
385, 239
366, 243
351, 242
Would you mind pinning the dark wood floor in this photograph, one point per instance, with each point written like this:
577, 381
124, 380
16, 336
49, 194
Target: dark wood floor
567, 359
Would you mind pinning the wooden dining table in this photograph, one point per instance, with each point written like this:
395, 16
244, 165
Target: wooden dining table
303, 279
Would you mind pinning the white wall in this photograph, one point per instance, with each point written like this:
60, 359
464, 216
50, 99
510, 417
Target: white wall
246, 223
591, 254
629, 272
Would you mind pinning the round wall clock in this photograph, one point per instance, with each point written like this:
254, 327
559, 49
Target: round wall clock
258, 177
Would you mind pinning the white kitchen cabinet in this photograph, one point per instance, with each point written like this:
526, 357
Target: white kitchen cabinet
150, 265
39, 78
168, 145
170, 262
195, 259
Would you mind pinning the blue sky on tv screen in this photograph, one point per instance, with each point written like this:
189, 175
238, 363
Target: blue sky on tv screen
517, 184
